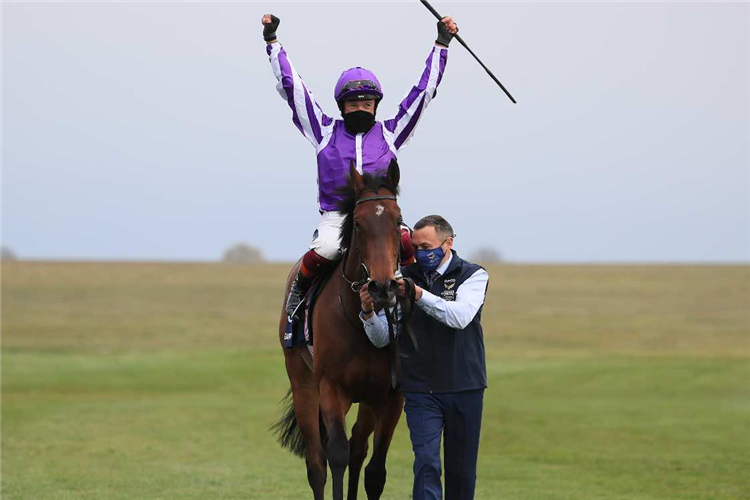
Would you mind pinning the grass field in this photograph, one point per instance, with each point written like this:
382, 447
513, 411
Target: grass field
159, 381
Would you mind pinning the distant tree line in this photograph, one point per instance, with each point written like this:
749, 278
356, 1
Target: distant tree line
242, 253
7, 254
486, 255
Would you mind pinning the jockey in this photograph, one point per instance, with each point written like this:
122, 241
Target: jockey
359, 137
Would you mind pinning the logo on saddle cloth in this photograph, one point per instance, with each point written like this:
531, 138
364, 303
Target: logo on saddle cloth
448, 292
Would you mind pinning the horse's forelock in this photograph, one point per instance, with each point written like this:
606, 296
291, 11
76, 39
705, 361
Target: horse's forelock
349, 196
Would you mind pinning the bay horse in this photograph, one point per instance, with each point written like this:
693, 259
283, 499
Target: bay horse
346, 368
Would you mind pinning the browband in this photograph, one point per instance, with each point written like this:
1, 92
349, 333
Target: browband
375, 198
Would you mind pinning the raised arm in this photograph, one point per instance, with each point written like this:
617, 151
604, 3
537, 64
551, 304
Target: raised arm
400, 128
306, 113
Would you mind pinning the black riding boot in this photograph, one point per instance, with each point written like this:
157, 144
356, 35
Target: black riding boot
299, 288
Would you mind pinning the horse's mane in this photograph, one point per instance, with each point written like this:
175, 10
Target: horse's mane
348, 200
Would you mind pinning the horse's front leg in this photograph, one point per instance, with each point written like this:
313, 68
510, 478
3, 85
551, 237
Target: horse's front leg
358, 446
334, 405
386, 421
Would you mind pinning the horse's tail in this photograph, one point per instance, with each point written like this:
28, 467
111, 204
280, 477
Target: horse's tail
288, 432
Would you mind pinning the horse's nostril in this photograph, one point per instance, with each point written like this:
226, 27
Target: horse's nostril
382, 289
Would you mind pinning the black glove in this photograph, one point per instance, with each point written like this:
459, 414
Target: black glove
444, 36
269, 30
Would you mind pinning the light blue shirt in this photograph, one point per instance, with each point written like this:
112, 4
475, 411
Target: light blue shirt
454, 313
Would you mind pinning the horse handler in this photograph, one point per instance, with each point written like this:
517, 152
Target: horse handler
443, 381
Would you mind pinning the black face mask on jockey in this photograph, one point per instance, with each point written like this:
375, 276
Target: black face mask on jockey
359, 122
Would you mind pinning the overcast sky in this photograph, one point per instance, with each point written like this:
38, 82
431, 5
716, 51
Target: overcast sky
153, 130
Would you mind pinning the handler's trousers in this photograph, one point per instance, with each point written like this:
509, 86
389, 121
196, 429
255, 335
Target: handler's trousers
458, 415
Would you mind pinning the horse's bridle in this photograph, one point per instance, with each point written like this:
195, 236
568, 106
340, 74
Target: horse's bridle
356, 285
392, 320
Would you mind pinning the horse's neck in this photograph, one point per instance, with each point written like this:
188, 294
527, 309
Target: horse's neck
352, 270
352, 264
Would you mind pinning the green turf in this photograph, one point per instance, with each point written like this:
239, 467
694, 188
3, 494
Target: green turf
159, 381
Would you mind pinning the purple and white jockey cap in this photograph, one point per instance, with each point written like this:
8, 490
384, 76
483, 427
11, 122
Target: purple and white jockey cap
357, 84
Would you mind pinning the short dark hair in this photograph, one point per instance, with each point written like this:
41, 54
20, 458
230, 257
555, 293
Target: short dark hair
440, 224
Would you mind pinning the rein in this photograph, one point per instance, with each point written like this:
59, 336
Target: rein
394, 326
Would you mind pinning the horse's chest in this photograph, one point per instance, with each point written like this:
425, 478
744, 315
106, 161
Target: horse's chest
367, 378
344, 354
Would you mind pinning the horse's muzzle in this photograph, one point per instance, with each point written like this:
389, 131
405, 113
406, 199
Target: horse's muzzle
384, 293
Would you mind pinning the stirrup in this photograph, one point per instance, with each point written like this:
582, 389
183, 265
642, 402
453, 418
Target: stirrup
294, 315
291, 313
298, 294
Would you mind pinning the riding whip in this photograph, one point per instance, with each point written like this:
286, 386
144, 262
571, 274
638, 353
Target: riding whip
461, 41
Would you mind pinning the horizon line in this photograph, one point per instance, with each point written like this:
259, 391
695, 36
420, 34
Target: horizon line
79, 260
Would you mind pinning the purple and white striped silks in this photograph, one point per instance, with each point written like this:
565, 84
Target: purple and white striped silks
335, 146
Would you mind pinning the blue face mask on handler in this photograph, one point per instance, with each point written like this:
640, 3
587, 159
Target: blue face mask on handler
429, 259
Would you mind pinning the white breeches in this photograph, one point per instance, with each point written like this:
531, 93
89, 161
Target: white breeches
327, 236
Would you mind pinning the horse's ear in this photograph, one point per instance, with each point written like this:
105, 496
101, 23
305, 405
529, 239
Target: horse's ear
394, 173
356, 180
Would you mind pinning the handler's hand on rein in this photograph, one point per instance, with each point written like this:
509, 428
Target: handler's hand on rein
270, 25
368, 303
402, 290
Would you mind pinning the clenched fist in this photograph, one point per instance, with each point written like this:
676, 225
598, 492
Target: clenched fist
270, 24
446, 27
